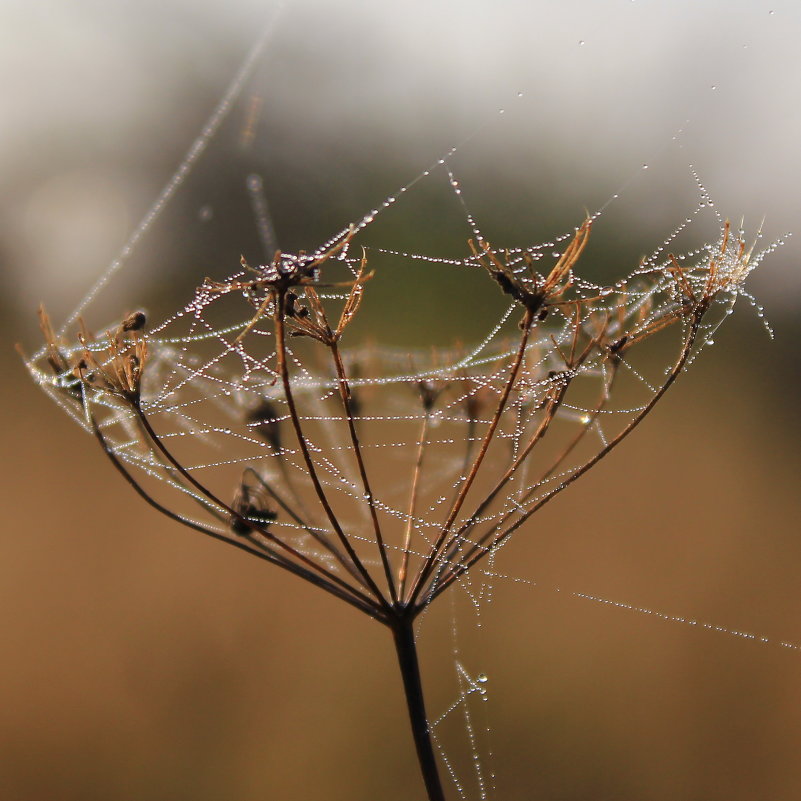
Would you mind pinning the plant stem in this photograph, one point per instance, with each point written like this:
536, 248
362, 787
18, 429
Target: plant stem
403, 631
244, 544
479, 550
283, 371
344, 392
442, 540
407, 537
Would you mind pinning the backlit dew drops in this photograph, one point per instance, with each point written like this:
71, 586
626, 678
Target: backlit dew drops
482, 678
645, 166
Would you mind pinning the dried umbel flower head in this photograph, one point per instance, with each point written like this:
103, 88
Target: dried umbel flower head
65, 370
263, 420
387, 503
115, 365
251, 509
535, 292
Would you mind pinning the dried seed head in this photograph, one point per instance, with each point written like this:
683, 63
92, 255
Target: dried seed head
134, 321
117, 368
249, 505
535, 292
263, 419
429, 392
55, 356
64, 368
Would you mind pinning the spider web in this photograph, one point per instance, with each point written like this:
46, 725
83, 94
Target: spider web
212, 391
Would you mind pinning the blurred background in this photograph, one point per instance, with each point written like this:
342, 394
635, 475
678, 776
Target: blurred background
141, 662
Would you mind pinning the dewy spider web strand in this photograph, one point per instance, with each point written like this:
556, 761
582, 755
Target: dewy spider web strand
194, 153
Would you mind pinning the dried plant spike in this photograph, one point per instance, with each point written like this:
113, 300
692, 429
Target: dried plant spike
678, 273
117, 368
725, 238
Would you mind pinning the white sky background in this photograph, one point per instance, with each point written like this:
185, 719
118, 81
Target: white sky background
89, 87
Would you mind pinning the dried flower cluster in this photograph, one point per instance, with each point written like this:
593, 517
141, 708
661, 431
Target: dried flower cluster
309, 473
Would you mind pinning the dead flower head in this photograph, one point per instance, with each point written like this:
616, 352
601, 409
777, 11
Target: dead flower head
534, 291
249, 510
117, 364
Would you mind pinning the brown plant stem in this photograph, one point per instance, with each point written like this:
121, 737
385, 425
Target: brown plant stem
290, 484
316, 535
567, 450
596, 411
344, 393
455, 542
407, 537
551, 408
431, 559
479, 549
368, 608
301, 557
177, 477
283, 370
406, 649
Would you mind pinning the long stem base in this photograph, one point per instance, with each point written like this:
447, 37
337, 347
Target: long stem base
402, 630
